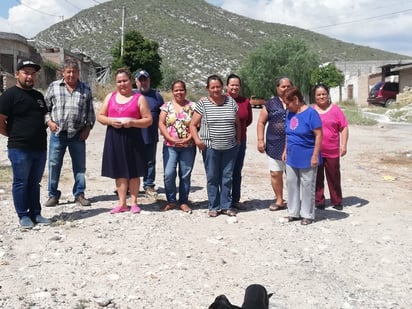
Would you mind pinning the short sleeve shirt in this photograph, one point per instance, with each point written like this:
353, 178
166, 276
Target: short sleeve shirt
275, 131
25, 111
177, 123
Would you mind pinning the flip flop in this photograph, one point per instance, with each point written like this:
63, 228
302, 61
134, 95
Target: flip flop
228, 212
276, 207
212, 213
291, 219
119, 209
186, 208
135, 209
169, 207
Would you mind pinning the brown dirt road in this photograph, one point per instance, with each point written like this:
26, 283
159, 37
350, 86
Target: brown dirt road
360, 257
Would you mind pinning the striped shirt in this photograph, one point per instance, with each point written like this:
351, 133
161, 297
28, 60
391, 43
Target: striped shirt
218, 123
70, 111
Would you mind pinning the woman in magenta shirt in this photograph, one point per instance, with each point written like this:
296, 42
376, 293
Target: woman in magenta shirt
334, 145
124, 112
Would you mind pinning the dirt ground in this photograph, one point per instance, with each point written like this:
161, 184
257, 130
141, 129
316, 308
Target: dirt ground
360, 257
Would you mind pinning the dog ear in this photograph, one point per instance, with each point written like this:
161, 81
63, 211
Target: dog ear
270, 295
221, 302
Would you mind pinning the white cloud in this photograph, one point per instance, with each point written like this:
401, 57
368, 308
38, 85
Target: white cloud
373, 23
32, 16
365, 22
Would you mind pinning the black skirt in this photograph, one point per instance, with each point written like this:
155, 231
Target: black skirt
123, 153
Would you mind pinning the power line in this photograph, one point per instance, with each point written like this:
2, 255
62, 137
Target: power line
36, 10
77, 8
362, 20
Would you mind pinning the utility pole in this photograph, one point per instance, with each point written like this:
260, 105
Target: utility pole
122, 38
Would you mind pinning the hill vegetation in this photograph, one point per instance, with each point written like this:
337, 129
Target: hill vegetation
195, 38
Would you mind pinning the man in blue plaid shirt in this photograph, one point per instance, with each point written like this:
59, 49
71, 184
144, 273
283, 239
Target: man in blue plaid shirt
70, 118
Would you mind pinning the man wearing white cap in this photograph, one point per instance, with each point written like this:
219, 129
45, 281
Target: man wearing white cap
150, 134
22, 111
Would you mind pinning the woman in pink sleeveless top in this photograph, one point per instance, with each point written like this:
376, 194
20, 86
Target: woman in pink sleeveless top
124, 112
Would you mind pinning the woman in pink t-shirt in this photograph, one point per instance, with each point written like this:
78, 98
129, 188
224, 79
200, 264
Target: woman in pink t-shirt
334, 145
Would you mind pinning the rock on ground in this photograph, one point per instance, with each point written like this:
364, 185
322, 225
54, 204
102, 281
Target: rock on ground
360, 257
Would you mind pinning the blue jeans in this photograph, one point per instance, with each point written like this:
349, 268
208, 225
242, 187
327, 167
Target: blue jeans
219, 171
237, 172
184, 158
28, 169
77, 150
150, 156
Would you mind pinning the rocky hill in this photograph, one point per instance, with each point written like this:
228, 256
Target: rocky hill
195, 38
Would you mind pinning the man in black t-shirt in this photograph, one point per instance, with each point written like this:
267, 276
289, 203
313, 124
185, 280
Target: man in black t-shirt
22, 111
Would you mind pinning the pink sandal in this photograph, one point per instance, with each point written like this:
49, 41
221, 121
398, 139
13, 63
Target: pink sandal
135, 209
119, 209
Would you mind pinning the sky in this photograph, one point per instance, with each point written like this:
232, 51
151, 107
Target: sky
382, 24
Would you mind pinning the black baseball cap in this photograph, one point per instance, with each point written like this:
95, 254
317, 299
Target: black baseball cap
27, 63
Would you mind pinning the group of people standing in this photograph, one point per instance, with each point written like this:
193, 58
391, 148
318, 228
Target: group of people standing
67, 110
306, 142
216, 124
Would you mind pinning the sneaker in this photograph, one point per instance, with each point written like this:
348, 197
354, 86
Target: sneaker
42, 220
338, 207
135, 209
26, 223
81, 200
51, 202
239, 206
151, 192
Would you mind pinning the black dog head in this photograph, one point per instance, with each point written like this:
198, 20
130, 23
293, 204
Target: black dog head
221, 302
256, 297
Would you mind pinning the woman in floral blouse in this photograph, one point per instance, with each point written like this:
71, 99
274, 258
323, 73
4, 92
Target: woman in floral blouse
178, 148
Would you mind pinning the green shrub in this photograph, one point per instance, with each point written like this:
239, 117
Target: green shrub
354, 114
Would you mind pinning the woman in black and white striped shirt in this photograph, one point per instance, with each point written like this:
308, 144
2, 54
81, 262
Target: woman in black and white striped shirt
218, 139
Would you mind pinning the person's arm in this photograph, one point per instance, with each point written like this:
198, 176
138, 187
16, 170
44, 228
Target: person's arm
249, 113
318, 142
344, 141
91, 115
3, 125
49, 98
238, 128
262, 120
84, 133
194, 125
163, 127
284, 150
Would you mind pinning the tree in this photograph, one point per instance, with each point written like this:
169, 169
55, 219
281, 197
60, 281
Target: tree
170, 74
327, 74
139, 53
274, 59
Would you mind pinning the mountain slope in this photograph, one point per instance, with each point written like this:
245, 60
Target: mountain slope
195, 37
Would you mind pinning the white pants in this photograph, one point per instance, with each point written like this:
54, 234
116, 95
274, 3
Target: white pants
301, 184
